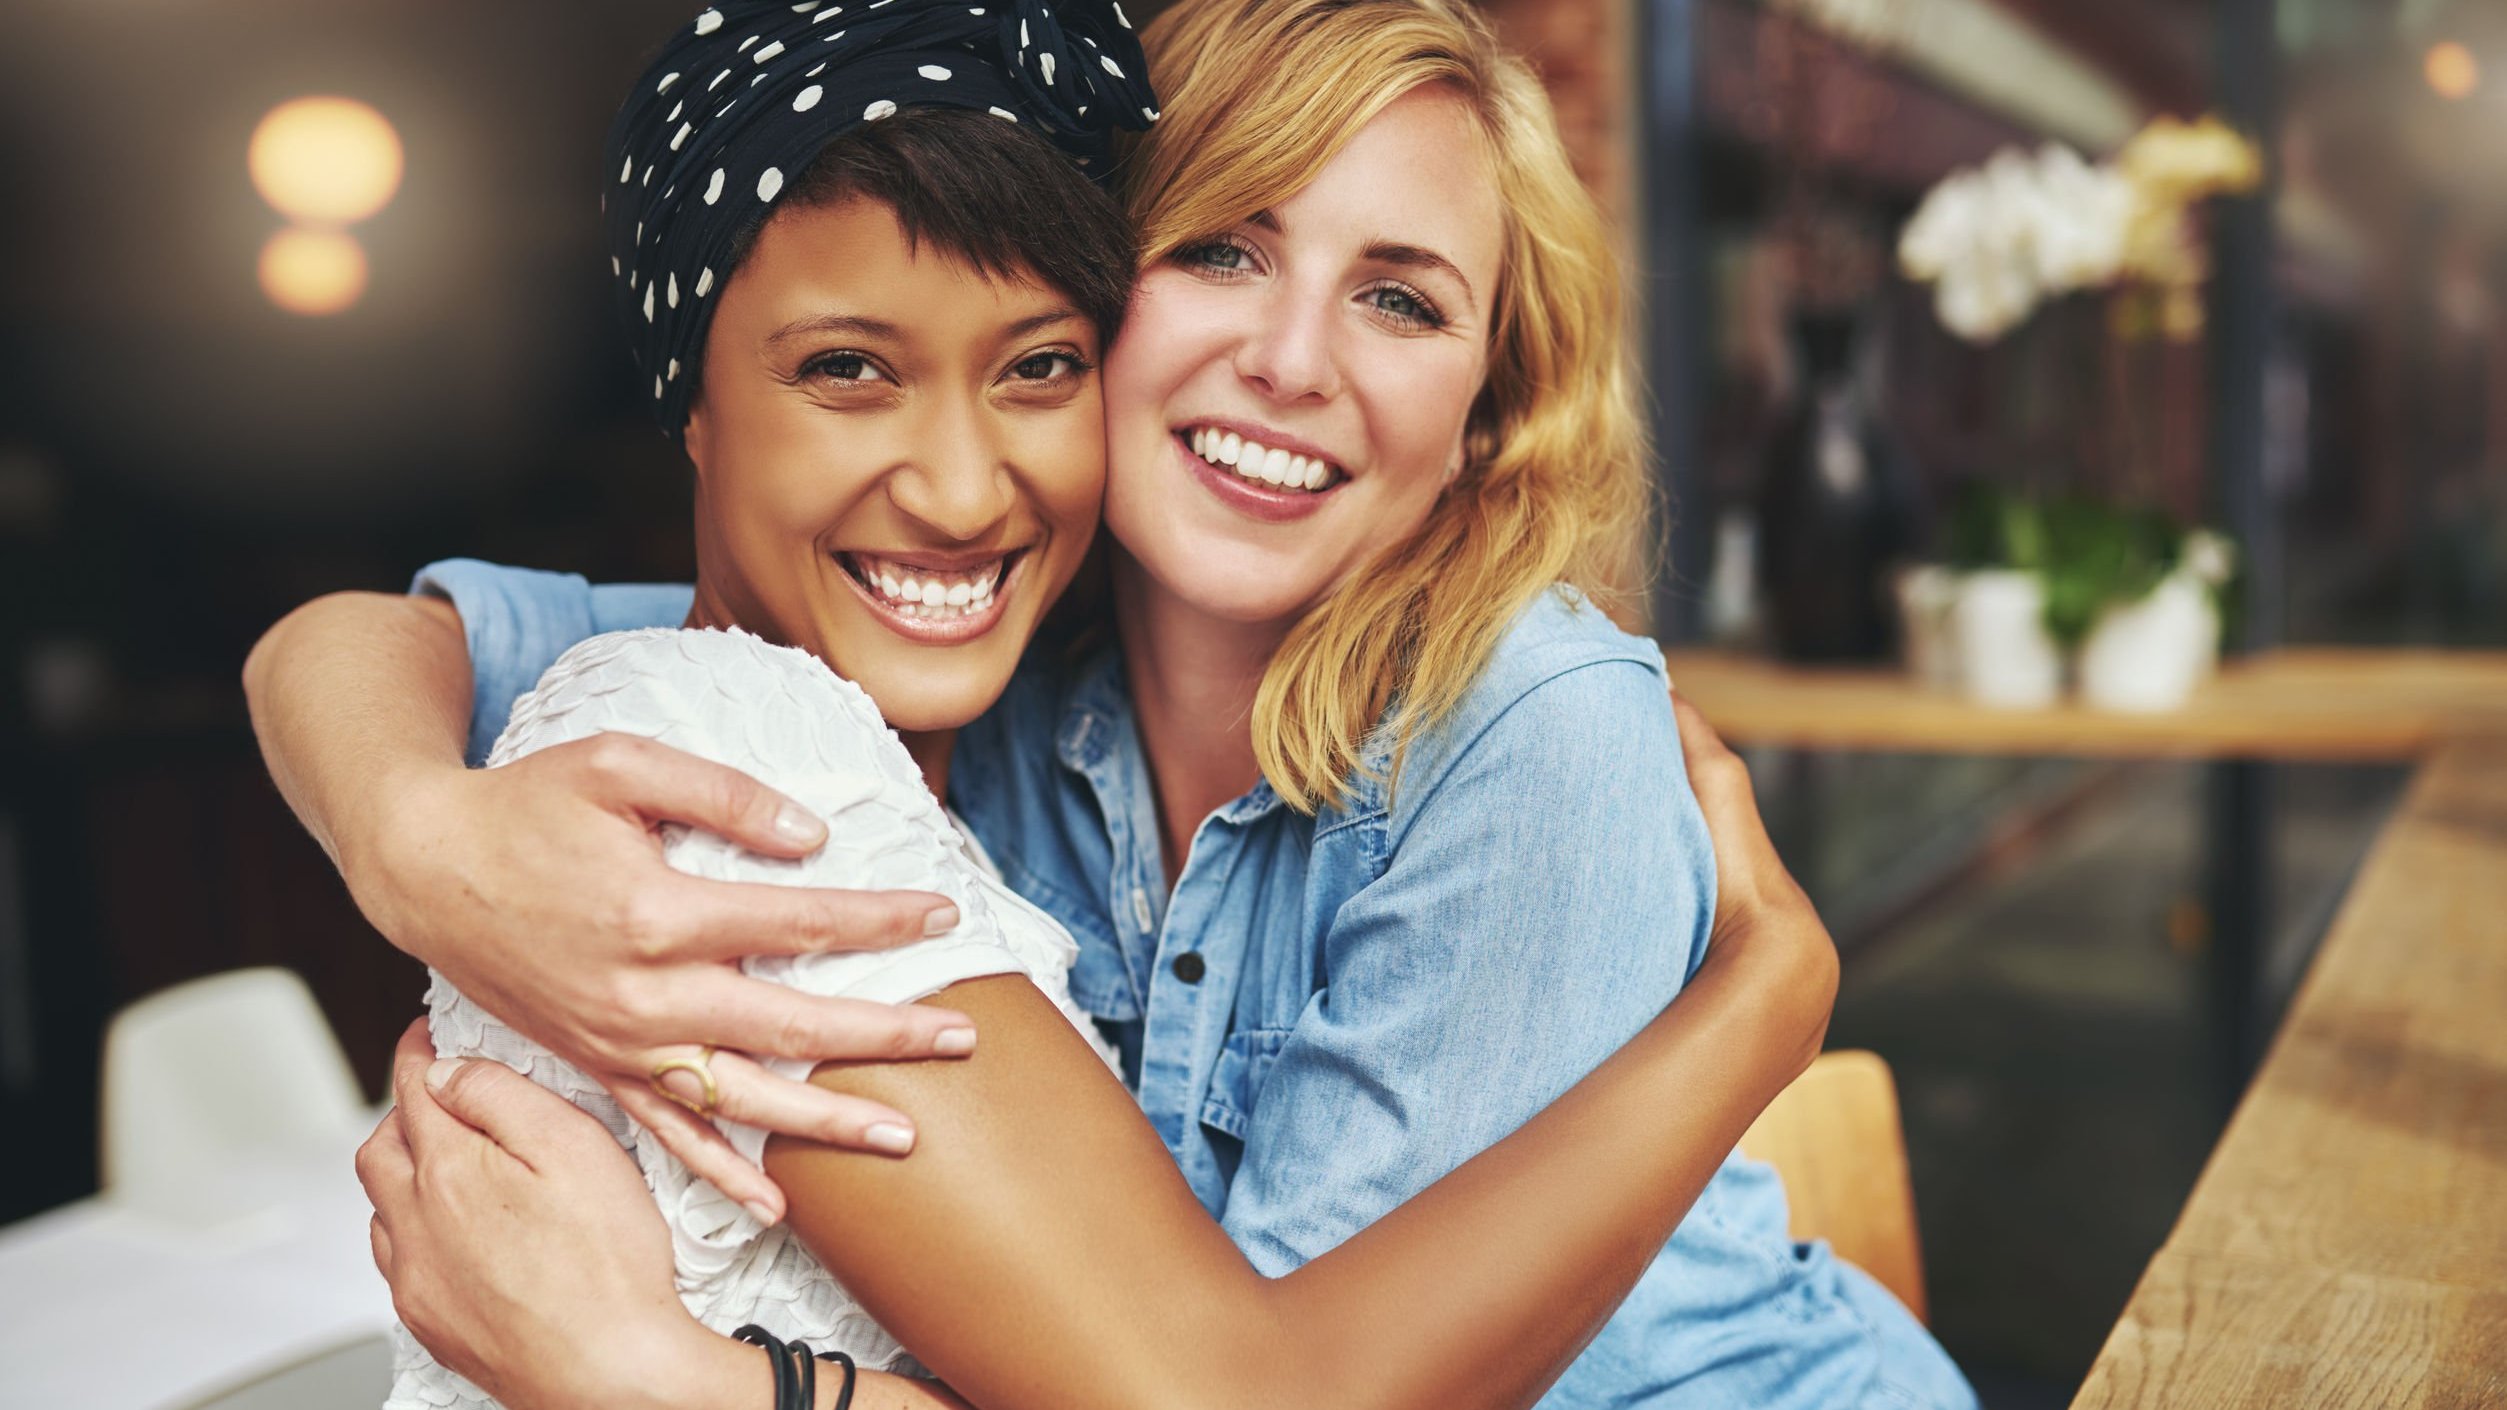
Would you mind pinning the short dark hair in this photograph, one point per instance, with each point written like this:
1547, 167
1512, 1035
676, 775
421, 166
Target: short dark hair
985, 190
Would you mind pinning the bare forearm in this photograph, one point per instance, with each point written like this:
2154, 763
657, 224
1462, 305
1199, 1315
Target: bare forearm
706, 1371
1039, 1250
351, 693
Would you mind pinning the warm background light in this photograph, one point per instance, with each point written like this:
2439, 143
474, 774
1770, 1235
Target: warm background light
2452, 70
313, 272
326, 160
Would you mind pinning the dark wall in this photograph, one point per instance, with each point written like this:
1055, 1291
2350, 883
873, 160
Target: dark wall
180, 463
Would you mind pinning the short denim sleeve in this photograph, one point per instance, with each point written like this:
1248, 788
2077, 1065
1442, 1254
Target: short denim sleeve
1549, 887
518, 621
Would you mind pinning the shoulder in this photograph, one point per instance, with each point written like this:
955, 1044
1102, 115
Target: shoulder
1564, 689
773, 711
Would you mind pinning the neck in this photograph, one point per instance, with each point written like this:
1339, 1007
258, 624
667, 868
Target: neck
930, 748
1193, 678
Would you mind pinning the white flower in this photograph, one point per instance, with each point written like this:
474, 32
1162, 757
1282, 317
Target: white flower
2209, 557
2081, 215
2000, 238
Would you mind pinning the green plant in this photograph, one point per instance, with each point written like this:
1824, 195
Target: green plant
2091, 556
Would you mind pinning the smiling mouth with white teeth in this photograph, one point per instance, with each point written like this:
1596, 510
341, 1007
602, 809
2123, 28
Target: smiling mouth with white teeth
1264, 465
929, 595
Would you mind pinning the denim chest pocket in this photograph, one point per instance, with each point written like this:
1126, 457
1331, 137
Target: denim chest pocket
1236, 1082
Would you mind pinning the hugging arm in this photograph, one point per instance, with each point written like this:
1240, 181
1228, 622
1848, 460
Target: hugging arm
1042, 1250
1108, 1287
539, 889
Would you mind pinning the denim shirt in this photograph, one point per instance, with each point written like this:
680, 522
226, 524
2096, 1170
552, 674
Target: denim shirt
1327, 1014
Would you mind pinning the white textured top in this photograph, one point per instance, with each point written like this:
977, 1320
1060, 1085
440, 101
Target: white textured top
784, 718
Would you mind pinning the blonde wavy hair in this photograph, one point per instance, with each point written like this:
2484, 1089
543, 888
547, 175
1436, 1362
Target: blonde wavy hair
1259, 96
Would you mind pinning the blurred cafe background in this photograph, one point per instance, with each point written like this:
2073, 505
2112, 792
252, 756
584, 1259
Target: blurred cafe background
2084, 425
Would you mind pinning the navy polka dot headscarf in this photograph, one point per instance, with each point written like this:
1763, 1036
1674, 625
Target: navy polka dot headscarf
742, 100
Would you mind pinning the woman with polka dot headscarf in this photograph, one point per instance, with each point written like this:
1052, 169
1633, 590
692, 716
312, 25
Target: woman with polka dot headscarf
1375, 840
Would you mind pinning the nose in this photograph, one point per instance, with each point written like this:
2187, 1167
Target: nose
962, 485
1289, 352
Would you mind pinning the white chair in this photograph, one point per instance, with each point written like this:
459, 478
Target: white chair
354, 1374
211, 1084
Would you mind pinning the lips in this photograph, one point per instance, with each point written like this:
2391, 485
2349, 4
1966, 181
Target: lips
934, 603
926, 591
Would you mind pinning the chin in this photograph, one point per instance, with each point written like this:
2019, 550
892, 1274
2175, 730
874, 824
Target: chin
934, 693
1234, 582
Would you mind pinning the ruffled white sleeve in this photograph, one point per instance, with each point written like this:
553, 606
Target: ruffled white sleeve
782, 717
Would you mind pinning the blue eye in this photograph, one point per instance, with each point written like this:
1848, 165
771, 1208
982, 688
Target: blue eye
1216, 257
1405, 307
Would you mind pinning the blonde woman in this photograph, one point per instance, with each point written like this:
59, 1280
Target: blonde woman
1374, 834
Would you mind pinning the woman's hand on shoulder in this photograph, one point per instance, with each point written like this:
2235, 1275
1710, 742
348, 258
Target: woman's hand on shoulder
1763, 918
539, 889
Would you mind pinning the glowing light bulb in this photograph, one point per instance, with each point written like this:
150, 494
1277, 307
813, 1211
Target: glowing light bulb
313, 272
328, 161
2453, 72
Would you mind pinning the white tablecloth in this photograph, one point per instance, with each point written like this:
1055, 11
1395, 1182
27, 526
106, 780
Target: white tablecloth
103, 1308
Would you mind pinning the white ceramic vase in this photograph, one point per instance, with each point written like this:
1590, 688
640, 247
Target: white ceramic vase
1927, 595
2006, 658
2147, 656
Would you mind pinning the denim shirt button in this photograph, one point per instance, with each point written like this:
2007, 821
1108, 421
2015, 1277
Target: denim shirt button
1189, 967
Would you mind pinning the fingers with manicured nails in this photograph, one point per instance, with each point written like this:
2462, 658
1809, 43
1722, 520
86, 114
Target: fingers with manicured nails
729, 1009
752, 1095
730, 920
670, 785
701, 1148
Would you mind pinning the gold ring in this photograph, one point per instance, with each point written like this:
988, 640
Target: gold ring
701, 1066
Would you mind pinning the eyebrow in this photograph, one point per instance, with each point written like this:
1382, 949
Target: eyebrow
1418, 257
1392, 252
1047, 319
834, 323
859, 327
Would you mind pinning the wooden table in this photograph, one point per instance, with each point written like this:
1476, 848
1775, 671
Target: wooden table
2325, 705
2347, 1243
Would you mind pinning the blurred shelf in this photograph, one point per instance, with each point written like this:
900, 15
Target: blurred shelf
2316, 704
2347, 1243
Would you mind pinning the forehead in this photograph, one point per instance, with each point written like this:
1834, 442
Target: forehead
1417, 172
853, 255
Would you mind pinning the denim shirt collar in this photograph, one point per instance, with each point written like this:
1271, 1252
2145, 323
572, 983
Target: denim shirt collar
1097, 738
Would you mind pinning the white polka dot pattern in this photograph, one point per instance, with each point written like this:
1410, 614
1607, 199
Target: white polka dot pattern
1048, 65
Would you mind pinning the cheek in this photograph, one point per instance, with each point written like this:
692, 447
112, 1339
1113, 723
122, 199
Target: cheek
786, 480
1171, 332
1419, 409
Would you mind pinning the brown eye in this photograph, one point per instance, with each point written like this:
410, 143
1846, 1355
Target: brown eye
845, 367
1047, 367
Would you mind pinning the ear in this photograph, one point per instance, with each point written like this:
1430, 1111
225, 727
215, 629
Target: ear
696, 437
